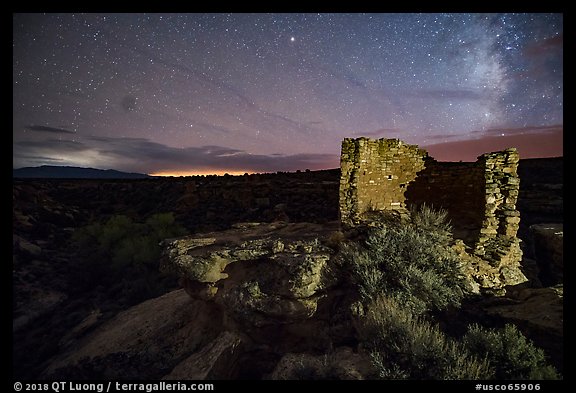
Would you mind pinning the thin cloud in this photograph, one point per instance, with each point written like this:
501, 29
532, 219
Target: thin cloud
546, 46
62, 146
443, 136
531, 142
382, 133
198, 75
211, 127
447, 94
353, 80
523, 130
143, 155
55, 130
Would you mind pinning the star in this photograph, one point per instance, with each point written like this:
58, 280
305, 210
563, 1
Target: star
239, 84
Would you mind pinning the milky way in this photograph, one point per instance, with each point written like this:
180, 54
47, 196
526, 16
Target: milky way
266, 92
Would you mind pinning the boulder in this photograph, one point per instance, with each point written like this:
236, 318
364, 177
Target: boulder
260, 274
252, 294
498, 267
216, 360
145, 341
24, 245
342, 364
538, 313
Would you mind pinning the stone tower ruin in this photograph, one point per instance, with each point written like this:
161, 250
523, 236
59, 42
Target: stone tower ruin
480, 197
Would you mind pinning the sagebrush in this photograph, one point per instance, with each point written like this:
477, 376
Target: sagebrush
402, 270
412, 264
404, 346
512, 355
121, 256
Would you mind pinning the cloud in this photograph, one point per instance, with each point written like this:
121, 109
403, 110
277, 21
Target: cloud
128, 103
523, 130
211, 127
246, 105
352, 79
198, 75
546, 46
298, 126
41, 160
143, 155
531, 142
448, 94
544, 59
49, 129
381, 133
443, 136
55, 145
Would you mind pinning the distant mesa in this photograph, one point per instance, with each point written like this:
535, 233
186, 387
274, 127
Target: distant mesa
72, 172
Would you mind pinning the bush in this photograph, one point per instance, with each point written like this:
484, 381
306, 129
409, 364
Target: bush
403, 346
433, 222
409, 263
124, 242
512, 355
122, 255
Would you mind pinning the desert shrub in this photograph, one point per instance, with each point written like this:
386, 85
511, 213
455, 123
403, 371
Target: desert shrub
433, 222
122, 255
335, 240
510, 352
404, 346
409, 264
126, 242
310, 370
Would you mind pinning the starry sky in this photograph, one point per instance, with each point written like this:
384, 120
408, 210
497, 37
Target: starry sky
214, 93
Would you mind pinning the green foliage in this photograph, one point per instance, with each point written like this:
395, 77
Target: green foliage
125, 242
409, 263
512, 355
122, 255
310, 370
404, 346
435, 223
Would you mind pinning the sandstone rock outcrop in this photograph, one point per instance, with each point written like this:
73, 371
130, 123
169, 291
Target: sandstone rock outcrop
269, 300
491, 273
252, 294
149, 339
342, 364
538, 313
216, 360
261, 275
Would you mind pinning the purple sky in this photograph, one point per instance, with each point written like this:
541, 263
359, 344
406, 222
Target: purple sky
214, 93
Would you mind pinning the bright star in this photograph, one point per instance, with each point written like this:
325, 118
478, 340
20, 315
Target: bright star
292, 39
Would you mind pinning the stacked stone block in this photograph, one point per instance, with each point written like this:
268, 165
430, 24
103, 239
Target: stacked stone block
480, 197
375, 176
456, 187
502, 185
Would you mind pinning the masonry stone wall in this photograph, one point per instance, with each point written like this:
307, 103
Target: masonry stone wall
502, 185
458, 188
387, 174
480, 198
375, 175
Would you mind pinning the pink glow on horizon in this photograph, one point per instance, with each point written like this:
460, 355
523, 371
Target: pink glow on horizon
531, 145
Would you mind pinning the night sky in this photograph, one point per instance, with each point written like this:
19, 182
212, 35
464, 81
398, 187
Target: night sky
215, 93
